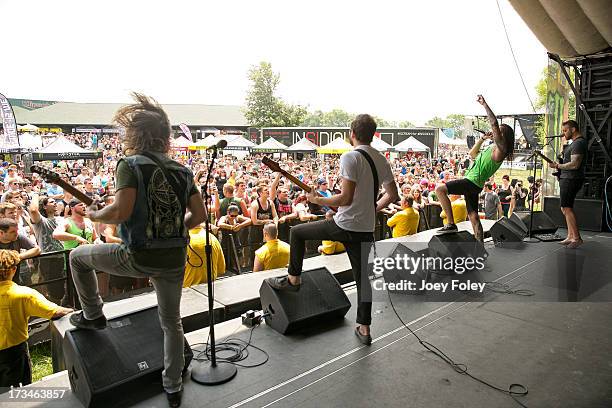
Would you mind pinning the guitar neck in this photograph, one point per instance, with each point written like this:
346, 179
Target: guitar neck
296, 181
78, 194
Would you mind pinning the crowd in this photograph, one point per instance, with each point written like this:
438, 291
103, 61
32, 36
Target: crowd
251, 209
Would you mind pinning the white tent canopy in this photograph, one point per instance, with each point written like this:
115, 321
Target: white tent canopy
411, 145
270, 145
180, 142
203, 144
30, 141
381, 145
63, 149
302, 146
443, 139
237, 142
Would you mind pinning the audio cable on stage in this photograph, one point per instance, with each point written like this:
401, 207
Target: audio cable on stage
498, 287
514, 390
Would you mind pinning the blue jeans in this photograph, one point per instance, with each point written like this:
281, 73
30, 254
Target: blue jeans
115, 259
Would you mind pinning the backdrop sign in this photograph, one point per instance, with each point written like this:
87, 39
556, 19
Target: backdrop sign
9, 138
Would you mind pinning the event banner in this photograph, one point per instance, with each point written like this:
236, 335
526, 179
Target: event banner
323, 136
9, 138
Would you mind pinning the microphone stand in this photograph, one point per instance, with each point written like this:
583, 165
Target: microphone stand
209, 372
530, 237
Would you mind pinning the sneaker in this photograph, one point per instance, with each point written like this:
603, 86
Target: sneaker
174, 398
78, 320
282, 283
447, 229
363, 338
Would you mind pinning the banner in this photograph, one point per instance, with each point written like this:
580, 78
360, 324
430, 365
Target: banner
529, 124
186, 131
9, 138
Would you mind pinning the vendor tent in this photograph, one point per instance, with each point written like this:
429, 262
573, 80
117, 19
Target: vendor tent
302, 146
63, 149
205, 143
27, 128
180, 143
336, 146
238, 142
381, 145
445, 140
270, 146
30, 141
411, 145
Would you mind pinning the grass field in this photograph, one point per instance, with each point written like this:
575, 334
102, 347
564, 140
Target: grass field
41, 361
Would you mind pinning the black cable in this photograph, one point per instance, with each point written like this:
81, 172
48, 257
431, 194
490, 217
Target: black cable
237, 349
498, 287
198, 255
460, 367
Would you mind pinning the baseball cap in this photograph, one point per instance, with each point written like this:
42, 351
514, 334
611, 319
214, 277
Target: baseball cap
74, 202
321, 181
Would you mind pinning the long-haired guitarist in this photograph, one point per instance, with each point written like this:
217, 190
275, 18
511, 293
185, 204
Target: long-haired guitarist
156, 204
353, 224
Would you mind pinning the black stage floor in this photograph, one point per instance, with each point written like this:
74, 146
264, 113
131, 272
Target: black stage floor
558, 343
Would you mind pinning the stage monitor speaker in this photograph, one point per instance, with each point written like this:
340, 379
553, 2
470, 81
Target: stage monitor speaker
460, 244
121, 364
590, 213
319, 299
506, 233
542, 223
402, 275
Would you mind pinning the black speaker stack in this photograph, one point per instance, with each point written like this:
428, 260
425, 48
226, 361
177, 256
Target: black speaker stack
120, 364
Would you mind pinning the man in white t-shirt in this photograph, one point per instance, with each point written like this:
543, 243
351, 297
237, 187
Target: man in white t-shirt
354, 222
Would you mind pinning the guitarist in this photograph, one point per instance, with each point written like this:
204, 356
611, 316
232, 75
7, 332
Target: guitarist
571, 179
354, 222
152, 198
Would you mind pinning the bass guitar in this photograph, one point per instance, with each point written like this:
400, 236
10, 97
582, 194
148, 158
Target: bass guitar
274, 166
52, 177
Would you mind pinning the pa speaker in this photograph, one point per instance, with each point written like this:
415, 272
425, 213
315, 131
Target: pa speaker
459, 244
121, 364
542, 223
400, 277
506, 233
319, 299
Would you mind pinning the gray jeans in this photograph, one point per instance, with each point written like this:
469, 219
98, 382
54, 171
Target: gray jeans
115, 260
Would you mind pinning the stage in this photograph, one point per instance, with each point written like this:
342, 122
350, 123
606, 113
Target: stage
557, 343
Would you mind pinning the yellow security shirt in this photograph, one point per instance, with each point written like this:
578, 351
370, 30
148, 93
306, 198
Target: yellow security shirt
405, 222
273, 254
459, 211
17, 305
195, 269
332, 247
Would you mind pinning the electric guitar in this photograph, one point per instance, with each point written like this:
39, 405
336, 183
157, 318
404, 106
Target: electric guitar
53, 177
274, 166
557, 173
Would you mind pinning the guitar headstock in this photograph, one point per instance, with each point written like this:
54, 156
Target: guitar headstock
271, 164
49, 175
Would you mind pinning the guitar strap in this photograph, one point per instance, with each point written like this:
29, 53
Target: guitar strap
374, 174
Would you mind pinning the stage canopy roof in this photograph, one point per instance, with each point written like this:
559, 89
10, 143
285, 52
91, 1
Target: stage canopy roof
336, 146
569, 28
270, 146
63, 149
411, 145
302, 146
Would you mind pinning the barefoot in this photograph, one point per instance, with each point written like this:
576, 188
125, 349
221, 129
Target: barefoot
566, 241
575, 244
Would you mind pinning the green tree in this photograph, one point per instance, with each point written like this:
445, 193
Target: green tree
263, 108
406, 124
453, 121
542, 98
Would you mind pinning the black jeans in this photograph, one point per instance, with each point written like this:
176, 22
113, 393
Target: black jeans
15, 366
357, 246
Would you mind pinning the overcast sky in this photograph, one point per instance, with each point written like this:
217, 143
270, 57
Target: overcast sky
400, 60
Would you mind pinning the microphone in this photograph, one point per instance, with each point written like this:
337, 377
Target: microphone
219, 145
480, 131
553, 136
